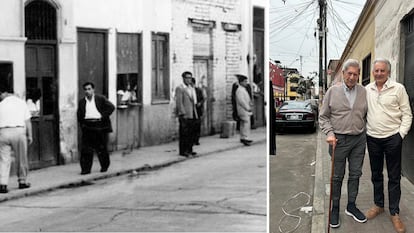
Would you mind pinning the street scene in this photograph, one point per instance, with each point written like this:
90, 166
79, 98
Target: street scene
219, 192
133, 115
171, 187
342, 99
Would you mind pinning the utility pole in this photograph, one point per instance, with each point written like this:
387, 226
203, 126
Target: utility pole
322, 24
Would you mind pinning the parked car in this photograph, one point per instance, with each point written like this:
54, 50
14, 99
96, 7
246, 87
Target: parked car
296, 114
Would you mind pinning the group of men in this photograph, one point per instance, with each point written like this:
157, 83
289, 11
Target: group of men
377, 116
189, 109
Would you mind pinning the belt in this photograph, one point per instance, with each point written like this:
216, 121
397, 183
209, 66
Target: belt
93, 120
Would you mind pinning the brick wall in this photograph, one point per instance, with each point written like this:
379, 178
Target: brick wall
225, 48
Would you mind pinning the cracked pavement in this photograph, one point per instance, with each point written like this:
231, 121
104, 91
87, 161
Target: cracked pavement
220, 192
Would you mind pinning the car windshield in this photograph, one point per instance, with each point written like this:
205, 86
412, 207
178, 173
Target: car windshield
295, 105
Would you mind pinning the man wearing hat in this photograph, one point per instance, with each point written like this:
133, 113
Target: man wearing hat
244, 109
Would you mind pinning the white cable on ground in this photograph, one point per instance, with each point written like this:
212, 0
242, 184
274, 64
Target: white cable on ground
289, 214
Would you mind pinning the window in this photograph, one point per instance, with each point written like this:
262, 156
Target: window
160, 68
6, 75
366, 70
128, 69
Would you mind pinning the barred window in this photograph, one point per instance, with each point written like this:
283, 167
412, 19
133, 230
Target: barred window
40, 21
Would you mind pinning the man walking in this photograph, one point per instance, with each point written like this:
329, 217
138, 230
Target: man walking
343, 118
244, 109
186, 101
15, 134
93, 116
388, 121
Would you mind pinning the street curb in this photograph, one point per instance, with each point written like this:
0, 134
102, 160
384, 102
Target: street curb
77, 182
318, 216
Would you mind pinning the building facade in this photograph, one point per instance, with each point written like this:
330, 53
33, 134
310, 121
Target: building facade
135, 53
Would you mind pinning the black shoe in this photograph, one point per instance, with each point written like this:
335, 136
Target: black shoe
193, 153
196, 143
185, 154
85, 173
24, 185
245, 142
3, 189
104, 169
353, 211
335, 223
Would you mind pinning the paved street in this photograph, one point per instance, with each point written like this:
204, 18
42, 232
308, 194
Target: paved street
291, 172
219, 192
381, 224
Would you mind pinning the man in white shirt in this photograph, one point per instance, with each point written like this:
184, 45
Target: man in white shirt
388, 121
15, 134
93, 116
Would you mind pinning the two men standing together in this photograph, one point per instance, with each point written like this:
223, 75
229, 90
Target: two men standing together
378, 116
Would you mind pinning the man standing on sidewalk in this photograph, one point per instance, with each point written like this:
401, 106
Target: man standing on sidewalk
244, 109
186, 101
15, 134
343, 118
388, 121
93, 116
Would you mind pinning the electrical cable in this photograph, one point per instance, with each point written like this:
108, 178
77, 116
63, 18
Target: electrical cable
290, 213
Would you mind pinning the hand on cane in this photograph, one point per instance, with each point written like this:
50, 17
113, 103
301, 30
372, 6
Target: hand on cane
331, 140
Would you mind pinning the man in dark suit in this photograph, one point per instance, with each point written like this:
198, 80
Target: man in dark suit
186, 100
93, 116
199, 108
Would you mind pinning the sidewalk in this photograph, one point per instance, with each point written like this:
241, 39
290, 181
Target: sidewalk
144, 158
381, 224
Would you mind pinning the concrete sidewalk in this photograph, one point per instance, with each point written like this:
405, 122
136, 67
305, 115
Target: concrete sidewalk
381, 224
144, 158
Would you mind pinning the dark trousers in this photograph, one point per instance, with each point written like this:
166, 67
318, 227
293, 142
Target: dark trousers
197, 131
94, 138
390, 148
186, 135
351, 148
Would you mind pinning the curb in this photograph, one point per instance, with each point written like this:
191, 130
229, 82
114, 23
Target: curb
77, 182
318, 216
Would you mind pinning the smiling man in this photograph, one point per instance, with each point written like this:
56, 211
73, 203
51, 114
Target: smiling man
388, 121
343, 118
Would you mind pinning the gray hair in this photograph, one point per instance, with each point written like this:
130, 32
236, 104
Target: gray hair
383, 60
350, 62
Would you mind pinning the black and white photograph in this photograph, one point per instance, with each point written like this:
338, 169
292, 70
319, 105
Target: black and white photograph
133, 116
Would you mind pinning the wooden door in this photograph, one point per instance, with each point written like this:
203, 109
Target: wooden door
41, 78
91, 64
92, 60
204, 81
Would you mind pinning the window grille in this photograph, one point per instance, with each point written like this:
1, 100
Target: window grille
40, 21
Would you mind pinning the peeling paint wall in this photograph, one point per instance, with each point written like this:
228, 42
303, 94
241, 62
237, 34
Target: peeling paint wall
388, 33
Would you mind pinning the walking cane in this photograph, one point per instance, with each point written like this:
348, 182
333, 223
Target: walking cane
330, 189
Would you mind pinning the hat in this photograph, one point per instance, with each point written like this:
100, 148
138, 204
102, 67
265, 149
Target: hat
241, 77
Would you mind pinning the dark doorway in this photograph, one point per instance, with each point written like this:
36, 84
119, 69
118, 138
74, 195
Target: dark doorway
408, 146
41, 82
92, 60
